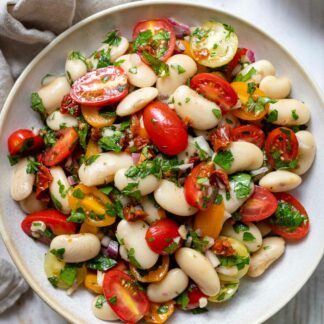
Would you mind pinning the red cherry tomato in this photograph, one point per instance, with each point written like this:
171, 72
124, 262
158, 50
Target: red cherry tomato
156, 37
66, 142
24, 141
261, 205
124, 296
241, 52
216, 89
70, 106
199, 192
43, 180
281, 147
100, 87
194, 294
221, 137
248, 133
163, 236
165, 128
284, 222
56, 224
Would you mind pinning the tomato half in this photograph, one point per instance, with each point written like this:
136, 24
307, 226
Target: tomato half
281, 148
163, 236
24, 141
43, 180
194, 294
216, 89
124, 296
156, 37
56, 224
248, 133
165, 128
100, 87
69, 106
160, 313
235, 62
96, 117
261, 205
91, 283
221, 137
67, 139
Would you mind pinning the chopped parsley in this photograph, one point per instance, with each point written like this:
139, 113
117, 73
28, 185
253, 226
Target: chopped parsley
112, 300
78, 193
294, 115
111, 143
13, 159
142, 39
91, 159
240, 227
112, 38
37, 104
56, 202
224, 159
77, 216
235, 260
200, 33
217, 113
48, 135
248, 237
171, 248
229, 30
251, 87
183, 300
132, 258
202, 154
133, 70
63, 192
273, 116
32, 166
68, 274
198, 310
104, 58
53, 281
131, 190
106, 190
218, 200
247, 76
259, 105
159, 67
198, 243
242, 185
100, 301
82, 131
101, 263
59, 253
179, 68
163, 309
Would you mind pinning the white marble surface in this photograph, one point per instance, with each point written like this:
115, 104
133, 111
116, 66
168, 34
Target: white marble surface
299, 26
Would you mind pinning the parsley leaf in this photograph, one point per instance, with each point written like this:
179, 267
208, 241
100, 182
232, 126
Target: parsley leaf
101, 263
183, 300
240, 227
132, 259
218, 199
159, 67
68, 274
104, 58
78, 193
198, 243
111, 143
106, 190
217, 113
242, 185
224, 159
112, 38
48, 135
251, 87
273, 116
100, 301
32, 166
56, 202
13, 159
130, 190
248, 237
59, 253
53, 281
112, 300
179, 68
77, 215
82, 131
171, 248
142, 39
234, 260
294, 115
37, 104
63, 192
91, 159
163, 309
247, 76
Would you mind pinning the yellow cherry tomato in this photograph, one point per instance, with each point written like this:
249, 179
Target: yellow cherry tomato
94, 118
159, 313
86, 228
91, 283
92, 149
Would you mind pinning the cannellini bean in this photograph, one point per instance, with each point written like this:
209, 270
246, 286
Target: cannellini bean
154, 213
280, 180
53, 93
139, 74
198, 111
123, 253
306, 151
47, 79
172, 198
136, 101
271, 250
56, 120
263, 68
132, 235
264, 228
75, 69
145, 185
21, 181
250, 236
77, 247
196, 266
290, 112
103, 169
104, 312
181, 67
59, 188
274, 87
31, 204
172, 285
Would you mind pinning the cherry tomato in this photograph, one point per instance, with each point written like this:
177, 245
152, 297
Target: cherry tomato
248, 133
291, 219
155, 37
216, 89
165, 128
194, 294
199, 192
56, 224
96, 118
91, 283
100, 87
221, 137
159, 313
24, 141
262, 204
124, 296
69, 106
43, 180
163, 236
235, 62
64, 146
281, 148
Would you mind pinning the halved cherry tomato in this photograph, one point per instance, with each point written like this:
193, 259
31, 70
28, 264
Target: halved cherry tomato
56, 224
163, 236
235, 62
248, 133
100, 87
64, 146
91, 283
261, 205
124, 296
281, 148
199, 192
96, 119
165, 128
137, 125
216, 89
194, 294
156, 36
43, 180
92, 149
221, 137
86, 228
160, 313
24, 141
69, 106
291, 219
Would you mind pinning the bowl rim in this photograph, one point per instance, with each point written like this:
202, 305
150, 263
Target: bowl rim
6, 239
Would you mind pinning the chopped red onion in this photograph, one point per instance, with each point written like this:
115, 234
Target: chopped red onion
136, 157
73, 180
111, 250
180, 29
68, 162
250, 56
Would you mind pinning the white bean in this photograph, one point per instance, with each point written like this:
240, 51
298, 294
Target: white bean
181, 67
171, 286
77, 247
75, 69
274, 87
103, 169
154, 213
136, 101
59, 188
53, 93
172, 198
56, 120
201, 113
132, 235
263, 68
21, 181
280, 180
31, 204
103, 312
271, 250
290, 112
199, 269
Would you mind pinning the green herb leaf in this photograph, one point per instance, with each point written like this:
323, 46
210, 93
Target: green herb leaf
111, 143
112, 38
224, 159
82, 131
132, 258
130, 191
13, 159
112, 300
198, 243
59, 253
247, 76
179, 68
171, 248
242, 185
163, 309
183, 300
78, 193
229, 29
294, 115
53, 281
240, 227
48, 135
77, 216
133, 70
273, 116
251, 87
32, 166
142, 39
68, 274
234, 260
37, 104
63, 192
56, 202
101, 263
218, 200
197, 311
106, 190
100, 301
217, 113
159, 67
91, 159
248, 237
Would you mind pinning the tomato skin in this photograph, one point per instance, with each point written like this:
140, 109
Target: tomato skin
100, 87
235, 61
156, 317
261, 205
194, 294
221, 137
43, 180
165, 128
118, 284
24, 141
70, 106
249, 133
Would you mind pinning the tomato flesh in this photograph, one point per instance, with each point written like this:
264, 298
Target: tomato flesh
43, 180
248, 133
221, 137
70, 106
194, 295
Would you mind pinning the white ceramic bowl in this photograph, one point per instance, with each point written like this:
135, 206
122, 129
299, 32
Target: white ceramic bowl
257, 299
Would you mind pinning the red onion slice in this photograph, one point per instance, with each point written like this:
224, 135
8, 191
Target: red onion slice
136, 157
73, 180
181, 30
111, 250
